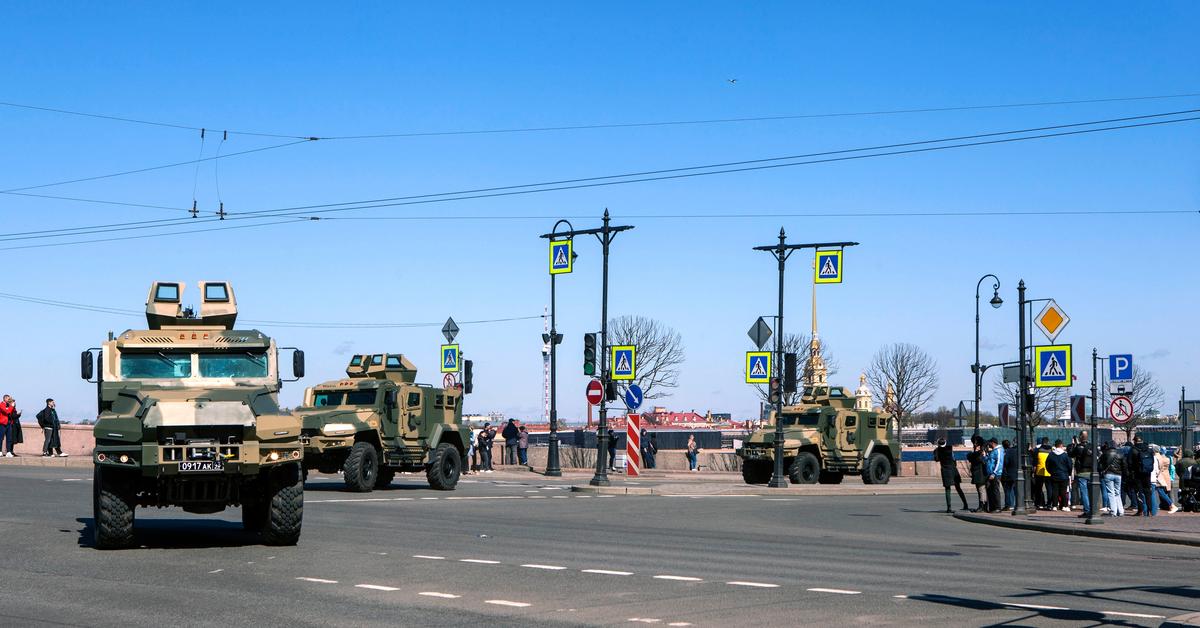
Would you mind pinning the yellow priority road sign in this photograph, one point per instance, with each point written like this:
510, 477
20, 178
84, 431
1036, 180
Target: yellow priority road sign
758, 367
561, 259
1052, 366
828, 268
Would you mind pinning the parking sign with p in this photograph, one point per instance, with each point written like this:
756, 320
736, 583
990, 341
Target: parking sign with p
1120, 368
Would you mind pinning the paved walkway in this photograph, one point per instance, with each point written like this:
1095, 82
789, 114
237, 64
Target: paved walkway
1179, 528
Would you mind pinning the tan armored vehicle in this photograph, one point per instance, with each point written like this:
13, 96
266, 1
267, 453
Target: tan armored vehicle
378, 421
189, 416
826, 436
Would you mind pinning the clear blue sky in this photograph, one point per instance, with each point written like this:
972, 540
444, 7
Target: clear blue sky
1127, 281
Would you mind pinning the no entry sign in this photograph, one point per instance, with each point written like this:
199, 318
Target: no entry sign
595, 392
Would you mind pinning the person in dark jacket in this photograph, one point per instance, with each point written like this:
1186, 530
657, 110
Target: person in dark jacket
1081, 459
1112, 471
1058, 468
523, 445
944, 455
1142, 492
613, 437
48, 420
977, 460
512, 440
649, 449
483, 442
1012, 466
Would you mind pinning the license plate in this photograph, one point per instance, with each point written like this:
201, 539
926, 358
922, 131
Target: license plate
202, 465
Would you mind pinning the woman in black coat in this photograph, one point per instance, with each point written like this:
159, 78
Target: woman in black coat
944, 456
978, 474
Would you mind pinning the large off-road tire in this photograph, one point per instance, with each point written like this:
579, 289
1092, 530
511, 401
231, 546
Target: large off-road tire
361, 468
877, 470
284, 507
757, 471
805, 469
830, 477
384, 477
444, 467
112, 509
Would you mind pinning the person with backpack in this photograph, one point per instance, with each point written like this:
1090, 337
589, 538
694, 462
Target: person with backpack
1058, 469
1144, 468
48, 420
512, 440
1112, 468
1081, 459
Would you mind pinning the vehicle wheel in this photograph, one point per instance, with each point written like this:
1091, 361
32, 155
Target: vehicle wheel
444, 467
361, 468
756, 471
805, 469
830, 477
384, 477
112, 508
284, 508
878, 470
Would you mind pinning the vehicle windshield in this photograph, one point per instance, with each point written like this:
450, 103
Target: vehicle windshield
808, 419
245, 364
156, 365
325, 398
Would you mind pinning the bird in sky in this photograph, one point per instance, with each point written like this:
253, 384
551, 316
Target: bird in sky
732, 81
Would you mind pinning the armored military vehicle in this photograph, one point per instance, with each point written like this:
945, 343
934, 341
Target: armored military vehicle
378, 421
189, 416
827, 435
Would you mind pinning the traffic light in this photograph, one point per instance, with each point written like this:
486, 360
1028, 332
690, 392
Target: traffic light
773, 395
467, 364
610, 390
589, 355
789, 372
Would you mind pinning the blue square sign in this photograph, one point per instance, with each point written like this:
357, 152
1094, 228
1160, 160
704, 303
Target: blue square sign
1120, 368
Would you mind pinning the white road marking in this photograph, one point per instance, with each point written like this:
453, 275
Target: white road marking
72, 479
679, 623
1038, 607
376, 587
1140, 615
708, 496
531, 491
780, 499
561, 497
381, 553
582, 496
680, 578
645, 620
508, 603
479, 561
742, 583
428, 498
448, 596
429, 557
841, 591
362, 499
547, 567
318, 580
216, 571
536, 497
900, 597
482, 497
608, 572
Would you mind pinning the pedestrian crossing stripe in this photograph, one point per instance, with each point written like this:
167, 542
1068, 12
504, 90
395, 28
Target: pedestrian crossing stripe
449, 358
561, 257
828, 267
1052, 366
758, 367
624, 362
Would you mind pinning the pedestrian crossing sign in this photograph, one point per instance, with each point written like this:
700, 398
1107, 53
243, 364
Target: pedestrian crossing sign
449, 358
624, 362
828, 268
1052, 366
561, 257
758, 367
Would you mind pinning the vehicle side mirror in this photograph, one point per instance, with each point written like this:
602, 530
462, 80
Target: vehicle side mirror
297, 363
86, 365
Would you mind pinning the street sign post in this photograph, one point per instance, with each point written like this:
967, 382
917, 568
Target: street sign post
633, 445
624, 362
1120, 368
449, 358
758, 367
561, 257
1051, 320
828, 268
759, 333
1052, 366
595, 392
450, 329
634, 397
1120, 409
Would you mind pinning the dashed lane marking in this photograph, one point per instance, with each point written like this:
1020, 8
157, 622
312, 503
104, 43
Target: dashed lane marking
428, 498
679, 623
679, 578
838, 591
536, 497
1138, 615
561, 497
376, 587
216, 571
427, 557
448, 596
479, 561
608, 572
644, 620
318, 580
546, 567
508, 603
1037, 607
362, 499
780, 499
900, 597
481, 497
743, 583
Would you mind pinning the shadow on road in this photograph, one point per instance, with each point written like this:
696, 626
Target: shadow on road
339, 487
1109, 594
1027, 614
178, 534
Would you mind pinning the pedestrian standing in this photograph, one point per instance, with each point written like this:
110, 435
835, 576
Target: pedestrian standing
1058, 469
48, 420
1081, 459
977, 460
613, 437
523, 446
1112, 465
1041, 477
995, 471
1012, 466
484, 444
512, 439
15, 435
693, 453
944, 455
649, 448
6, 413
1145, 468
1163, 477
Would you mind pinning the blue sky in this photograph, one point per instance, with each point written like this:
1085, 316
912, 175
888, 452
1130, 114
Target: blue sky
1127, 281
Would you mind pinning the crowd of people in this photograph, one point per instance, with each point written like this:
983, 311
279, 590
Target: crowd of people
1135, 475
515, 452
12, 435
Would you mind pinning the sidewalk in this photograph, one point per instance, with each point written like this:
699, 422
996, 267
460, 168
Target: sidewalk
1179, 528
36, 460
700, 484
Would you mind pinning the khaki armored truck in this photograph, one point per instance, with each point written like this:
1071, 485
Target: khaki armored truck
379, 421
189, 416
826, 436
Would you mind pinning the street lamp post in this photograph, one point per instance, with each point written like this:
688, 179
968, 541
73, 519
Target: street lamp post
995, 301
552, 463
1022, 422
1093, 486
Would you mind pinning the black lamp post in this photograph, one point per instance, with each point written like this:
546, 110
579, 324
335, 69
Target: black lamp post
996, 302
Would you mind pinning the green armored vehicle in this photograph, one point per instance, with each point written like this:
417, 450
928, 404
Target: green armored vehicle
827, 435
189, 416
379, 421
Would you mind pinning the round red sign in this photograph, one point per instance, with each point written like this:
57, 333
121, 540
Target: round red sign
595, 392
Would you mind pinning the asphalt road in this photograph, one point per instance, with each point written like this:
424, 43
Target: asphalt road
521, 550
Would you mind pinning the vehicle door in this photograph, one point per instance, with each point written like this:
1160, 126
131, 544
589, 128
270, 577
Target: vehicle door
848, 433
414, 412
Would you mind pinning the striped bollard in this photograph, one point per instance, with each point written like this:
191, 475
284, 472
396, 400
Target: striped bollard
633, 445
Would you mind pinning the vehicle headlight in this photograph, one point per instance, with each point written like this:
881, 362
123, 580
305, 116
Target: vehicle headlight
334, 429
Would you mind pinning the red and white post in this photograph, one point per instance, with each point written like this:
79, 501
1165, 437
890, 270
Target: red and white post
633, 445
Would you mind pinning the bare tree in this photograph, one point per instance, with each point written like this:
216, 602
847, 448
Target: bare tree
1046, 401
912, 375
659, 352
800, 344
1148, 397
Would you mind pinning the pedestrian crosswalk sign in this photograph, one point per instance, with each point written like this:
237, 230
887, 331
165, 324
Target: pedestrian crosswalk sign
449, 358
758, 367
828, 268
1052, 366
561, 257
624, 362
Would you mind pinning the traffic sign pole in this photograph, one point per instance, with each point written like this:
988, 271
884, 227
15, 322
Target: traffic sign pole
1093, 485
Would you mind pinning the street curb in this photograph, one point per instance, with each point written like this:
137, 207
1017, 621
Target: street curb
38, 461
1009, 521
613, 490
1181, 621
742, 491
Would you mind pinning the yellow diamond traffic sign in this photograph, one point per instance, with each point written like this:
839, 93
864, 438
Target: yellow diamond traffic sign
1051, 320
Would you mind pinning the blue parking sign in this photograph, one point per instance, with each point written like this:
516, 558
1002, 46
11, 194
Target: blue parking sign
1120, 368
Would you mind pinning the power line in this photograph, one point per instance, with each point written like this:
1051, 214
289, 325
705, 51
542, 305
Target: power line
98, 201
